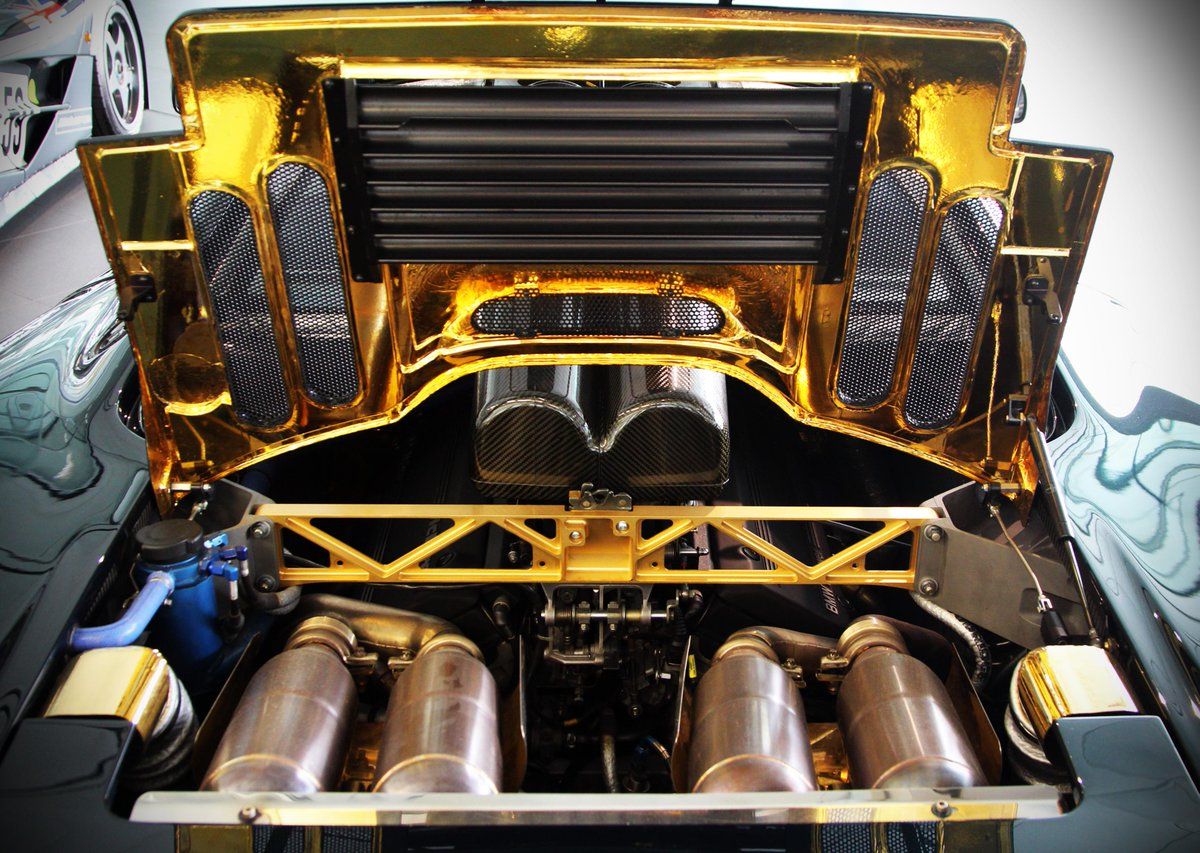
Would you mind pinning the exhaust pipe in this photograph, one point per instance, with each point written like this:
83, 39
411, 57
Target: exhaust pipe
441, 733
291, 729
750, 733
899, 725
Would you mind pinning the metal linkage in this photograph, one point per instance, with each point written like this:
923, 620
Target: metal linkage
598, 546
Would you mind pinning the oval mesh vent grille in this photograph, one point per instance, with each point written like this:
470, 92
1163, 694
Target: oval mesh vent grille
228, 253
887, 254
312, 274
574, 314
962, 268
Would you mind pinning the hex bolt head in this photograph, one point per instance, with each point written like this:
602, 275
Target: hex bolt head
942, 809
928, 586
249, 814
934, 533
622, 526
260, 530
575, 536
264, 583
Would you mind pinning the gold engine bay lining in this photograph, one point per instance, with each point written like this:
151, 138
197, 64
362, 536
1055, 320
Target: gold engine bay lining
598, 546
250, 86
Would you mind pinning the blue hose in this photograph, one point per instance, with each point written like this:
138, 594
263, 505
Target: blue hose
156, 589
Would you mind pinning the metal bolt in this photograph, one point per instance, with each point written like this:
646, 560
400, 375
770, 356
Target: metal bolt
249, 814
575, 536
934, 533
622, 526
260, 530
942, 809
928, 586
265, 583
406, 654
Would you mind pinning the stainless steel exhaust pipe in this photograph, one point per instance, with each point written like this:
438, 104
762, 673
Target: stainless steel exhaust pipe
899, 725
291, 729
441, 733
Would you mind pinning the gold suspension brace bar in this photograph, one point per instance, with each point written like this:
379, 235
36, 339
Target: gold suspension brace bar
599, 546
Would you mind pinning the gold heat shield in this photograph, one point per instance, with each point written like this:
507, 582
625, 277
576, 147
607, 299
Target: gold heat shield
251, 95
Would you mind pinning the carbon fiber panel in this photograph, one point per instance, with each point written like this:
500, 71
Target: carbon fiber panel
225, 242
882, 275
312, 273
532, 436
668, 433
962, 270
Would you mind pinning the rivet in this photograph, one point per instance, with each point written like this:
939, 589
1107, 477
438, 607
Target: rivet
622, 526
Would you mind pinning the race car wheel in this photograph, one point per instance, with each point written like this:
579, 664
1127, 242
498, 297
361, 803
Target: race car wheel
118, 95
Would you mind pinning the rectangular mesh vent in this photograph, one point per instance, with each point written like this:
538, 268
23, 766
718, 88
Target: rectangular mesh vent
577, 314
962, 268
225, 241
312, 274
584, 174
887, 255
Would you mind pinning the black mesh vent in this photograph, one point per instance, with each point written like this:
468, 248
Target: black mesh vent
573, 314
961, 271
225, 241
882, 277
316, 292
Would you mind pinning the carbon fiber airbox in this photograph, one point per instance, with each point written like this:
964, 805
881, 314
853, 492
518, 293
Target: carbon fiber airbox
659, 433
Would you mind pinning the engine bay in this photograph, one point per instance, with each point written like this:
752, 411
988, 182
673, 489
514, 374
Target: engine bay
392, 681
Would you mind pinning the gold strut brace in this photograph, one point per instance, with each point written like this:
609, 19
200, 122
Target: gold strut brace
598, 546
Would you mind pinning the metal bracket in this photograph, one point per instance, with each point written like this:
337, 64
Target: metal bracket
1017, 405
1037, 291
141, 289
588, 498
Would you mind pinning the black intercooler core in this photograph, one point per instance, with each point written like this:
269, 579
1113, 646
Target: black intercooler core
593, 174
659, 433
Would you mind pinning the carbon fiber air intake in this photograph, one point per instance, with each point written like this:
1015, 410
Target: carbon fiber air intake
668, 433
532, 435
659, 433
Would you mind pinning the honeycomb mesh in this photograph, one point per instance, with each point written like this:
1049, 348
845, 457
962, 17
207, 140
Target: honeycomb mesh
228, 254
882, 276
962, 269
600, 314
312, 274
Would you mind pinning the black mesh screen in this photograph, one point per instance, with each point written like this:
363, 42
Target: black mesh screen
961, 271
228, 253
312, 273
882, 276
570, 314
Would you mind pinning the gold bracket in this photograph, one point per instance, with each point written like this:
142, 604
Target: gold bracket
599, 546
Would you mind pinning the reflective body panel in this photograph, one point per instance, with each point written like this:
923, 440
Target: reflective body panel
944, 92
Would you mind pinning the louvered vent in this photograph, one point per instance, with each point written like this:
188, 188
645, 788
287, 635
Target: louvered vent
887, 255
596, 175
312, 274
225, 241
962, 268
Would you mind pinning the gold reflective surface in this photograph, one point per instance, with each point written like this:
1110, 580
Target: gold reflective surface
130, 682
1061, 681
250, 93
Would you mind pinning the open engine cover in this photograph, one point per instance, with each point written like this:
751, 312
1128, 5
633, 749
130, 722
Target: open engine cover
826, 207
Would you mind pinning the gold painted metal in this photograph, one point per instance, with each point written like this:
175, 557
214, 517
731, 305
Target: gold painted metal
250, 93
1062, 681
600, 546
130, 682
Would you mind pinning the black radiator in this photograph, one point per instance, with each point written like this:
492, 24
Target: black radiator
596, 175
